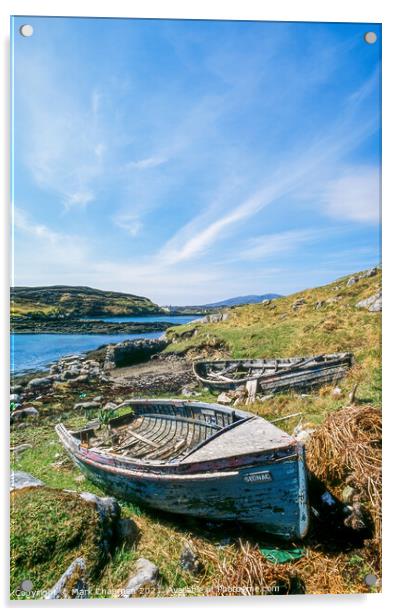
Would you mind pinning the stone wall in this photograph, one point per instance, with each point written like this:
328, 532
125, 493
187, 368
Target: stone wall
131, 352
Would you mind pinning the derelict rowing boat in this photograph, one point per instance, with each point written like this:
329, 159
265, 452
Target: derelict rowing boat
198, 459
273, 375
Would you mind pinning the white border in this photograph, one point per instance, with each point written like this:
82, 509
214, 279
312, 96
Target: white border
286, 10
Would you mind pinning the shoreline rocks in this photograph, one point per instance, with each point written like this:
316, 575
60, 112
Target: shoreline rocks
77, 326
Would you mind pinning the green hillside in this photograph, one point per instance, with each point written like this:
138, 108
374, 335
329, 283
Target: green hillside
324, 320
45, 302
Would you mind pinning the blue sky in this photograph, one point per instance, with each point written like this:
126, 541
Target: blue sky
191, 161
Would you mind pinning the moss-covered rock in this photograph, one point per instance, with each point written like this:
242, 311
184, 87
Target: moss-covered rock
49, 530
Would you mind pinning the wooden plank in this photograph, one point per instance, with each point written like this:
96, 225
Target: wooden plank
141, 438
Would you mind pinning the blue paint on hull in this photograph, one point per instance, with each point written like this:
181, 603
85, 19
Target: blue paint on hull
272, 507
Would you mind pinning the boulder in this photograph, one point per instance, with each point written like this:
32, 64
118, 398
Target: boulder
29, 411
336, 393
353, 280
212, 318
371, 272
15, 398
372, 303
72, 584
20, 479
86, 405
20, 448
40, 383
69, 374
16, 389
302, 433
82, 378
107, 506
303, 436
145, 574
298, 303
189, 560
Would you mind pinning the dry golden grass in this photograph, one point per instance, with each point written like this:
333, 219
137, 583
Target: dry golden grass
346, 450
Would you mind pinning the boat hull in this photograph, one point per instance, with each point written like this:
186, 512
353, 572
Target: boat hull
279, 378
272, 496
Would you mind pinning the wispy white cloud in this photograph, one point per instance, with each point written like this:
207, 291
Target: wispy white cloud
285, 242
129, 222
292, 176
355, 195
176, 250
65, 142
147, 163
82, 197
24, 223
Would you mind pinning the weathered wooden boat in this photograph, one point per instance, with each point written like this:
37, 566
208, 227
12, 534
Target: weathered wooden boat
273, 375
197, 459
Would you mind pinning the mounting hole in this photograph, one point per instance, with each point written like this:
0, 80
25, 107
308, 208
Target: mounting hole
370, 37
370, 579
26, 30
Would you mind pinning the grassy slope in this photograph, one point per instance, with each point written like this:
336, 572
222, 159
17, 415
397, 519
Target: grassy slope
78, 301
252, 331
276, 330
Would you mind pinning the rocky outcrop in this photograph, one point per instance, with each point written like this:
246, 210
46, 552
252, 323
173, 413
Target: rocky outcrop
29, 411
86, 406
20, 480
372, 303
357, 277
20, 448
145, 574
41, 383
131, 352
300, 301
72, 584
107, 506
217, 317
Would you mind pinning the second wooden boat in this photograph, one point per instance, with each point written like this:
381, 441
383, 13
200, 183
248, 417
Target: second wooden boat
273, 375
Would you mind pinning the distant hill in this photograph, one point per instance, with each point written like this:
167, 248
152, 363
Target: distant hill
56, 301
243, 299
232, 301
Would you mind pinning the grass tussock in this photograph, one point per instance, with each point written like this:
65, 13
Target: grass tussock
49, 529
346, 451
